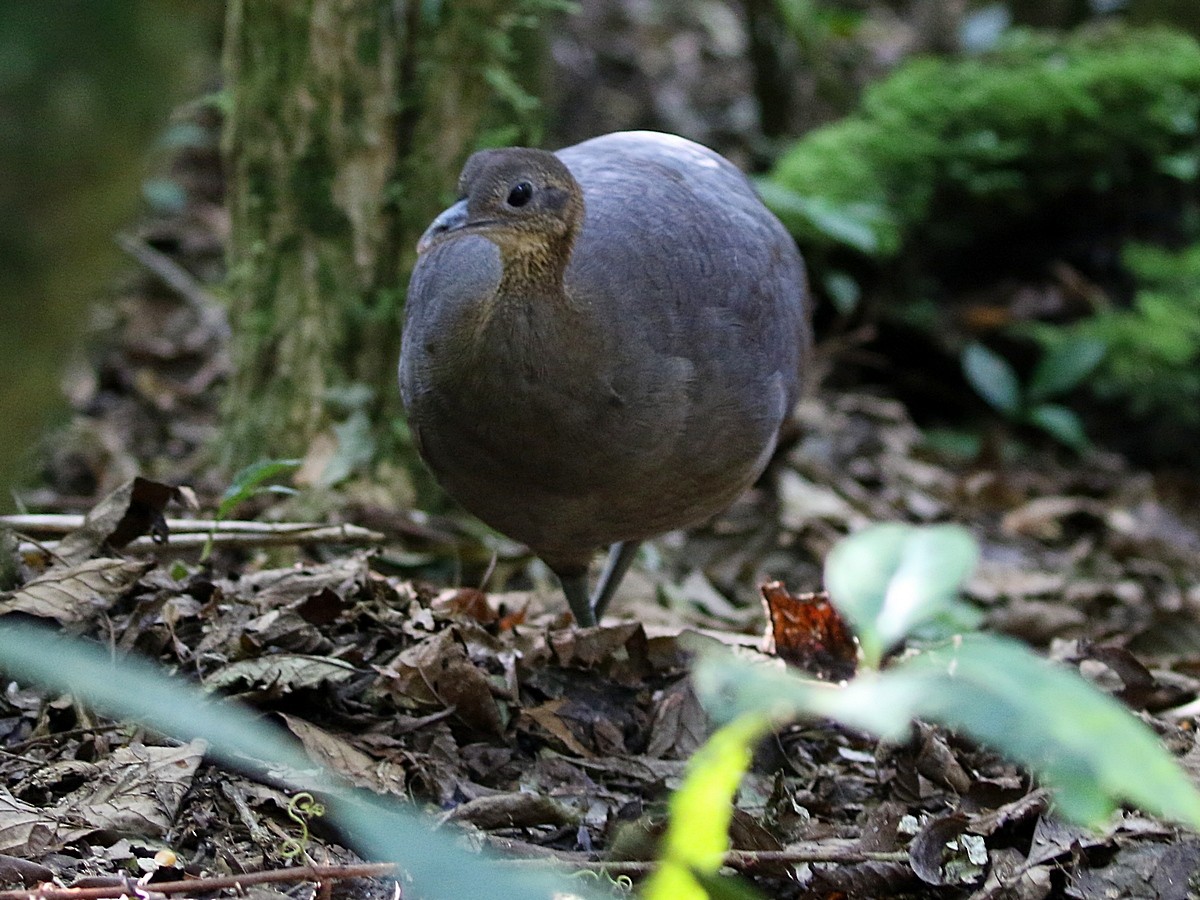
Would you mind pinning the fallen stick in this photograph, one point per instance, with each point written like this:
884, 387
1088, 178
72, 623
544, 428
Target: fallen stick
133, 888
189, 534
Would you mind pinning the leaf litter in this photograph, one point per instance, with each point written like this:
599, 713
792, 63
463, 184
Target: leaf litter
487, 709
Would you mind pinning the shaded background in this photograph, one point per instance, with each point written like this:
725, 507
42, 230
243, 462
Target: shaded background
111, 115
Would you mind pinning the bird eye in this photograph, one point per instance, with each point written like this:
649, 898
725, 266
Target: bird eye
520, 193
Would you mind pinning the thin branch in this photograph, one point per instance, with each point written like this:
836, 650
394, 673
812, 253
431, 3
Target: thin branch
132, 888
736, 859
64, 523
189, 534
208, 309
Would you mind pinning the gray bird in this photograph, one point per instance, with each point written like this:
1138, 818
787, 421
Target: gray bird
600, 345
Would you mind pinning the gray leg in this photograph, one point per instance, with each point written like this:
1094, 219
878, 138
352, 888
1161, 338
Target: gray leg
620, 557
576, 588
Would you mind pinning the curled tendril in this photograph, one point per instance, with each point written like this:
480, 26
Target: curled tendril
300, 809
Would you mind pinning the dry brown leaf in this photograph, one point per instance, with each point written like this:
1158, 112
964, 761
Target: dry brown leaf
133, 509
808, 633
438, 672
1011, 877
680, 724
136, 790
75, 594
342, 757
283, 672
26, 830
547, 717
1045, 518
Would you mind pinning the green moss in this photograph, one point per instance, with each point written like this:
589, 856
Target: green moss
311, 188
952, 149
1152, 366
368, 48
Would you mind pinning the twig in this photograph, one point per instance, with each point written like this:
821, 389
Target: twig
208, 309
203, 885
64, 523
189, 534
735, 859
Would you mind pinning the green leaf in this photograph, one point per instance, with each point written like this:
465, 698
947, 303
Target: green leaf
857, 572
725, 887
135, 689
246, 482
355, 448
844, 291
1064, 366
697, 837
1061, 424
1082, 743
883, 704
992, 378
864, 227
1079, 740
890, 578
955, 442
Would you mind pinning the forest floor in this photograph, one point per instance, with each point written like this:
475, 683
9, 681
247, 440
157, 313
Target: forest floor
492, 711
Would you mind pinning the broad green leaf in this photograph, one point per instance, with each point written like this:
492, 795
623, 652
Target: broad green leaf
726, 887
890, 578
1064, 366
1078, 740
355, 448
844, 291
246, 482
1082, 743
697, 837
883, 704
992, 378
135, 689
857, 572
1061, 424
865, 227
934, 564
953, 442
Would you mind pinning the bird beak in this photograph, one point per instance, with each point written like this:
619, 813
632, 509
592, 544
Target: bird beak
448, 220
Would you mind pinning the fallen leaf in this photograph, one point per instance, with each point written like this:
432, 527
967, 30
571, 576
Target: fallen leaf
133, 509
438, 671
806, 632
77, 593
342, 757
283, 672
136, 790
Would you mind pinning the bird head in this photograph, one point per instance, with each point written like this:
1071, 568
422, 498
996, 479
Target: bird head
523, 200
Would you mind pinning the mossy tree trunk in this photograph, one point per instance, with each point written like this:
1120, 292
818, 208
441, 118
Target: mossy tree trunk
348, 122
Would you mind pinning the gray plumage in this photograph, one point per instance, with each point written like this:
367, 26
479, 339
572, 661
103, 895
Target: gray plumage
601, 344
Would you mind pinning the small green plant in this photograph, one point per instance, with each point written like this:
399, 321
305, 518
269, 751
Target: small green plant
1061, 370
301, 808
894, 581
247, 483
700, 812
1152, 366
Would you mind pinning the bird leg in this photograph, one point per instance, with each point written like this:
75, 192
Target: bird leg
587, 611
620, 558
575, 587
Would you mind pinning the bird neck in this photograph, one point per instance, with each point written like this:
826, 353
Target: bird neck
534, 272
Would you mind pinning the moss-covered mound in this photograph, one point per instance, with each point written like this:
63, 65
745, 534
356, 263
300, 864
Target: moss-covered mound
945, 152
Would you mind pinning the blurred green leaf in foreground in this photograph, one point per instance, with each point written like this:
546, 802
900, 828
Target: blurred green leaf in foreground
891, 581
379, 829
